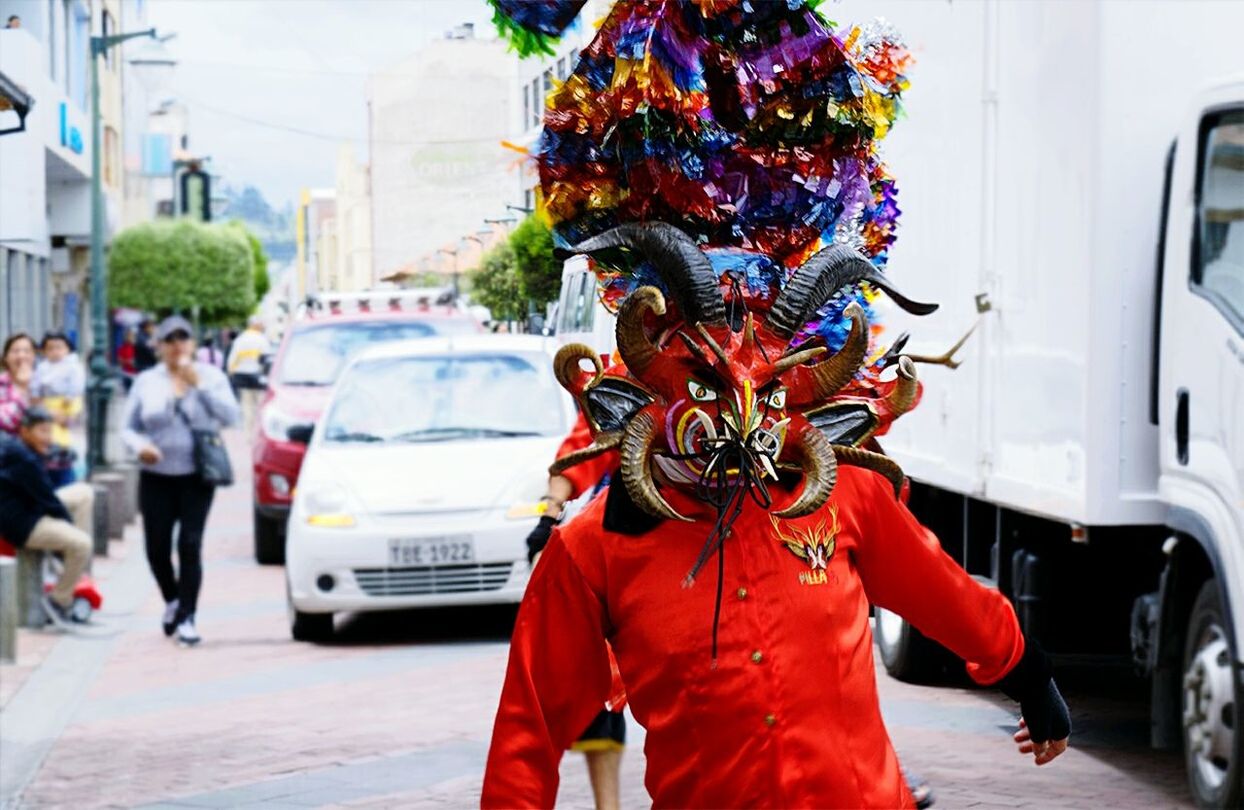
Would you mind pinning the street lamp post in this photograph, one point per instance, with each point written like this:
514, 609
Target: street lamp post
100, 387
454, 276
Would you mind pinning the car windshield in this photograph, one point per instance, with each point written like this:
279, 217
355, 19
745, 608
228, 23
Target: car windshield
317, 354
442, 398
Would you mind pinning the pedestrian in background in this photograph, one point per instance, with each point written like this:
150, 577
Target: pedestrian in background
209, 353
17, 370
145, 347
58, 385
35, 516
126, 359
246, 369
166, 405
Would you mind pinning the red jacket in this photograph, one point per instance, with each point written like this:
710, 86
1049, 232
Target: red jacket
789, 715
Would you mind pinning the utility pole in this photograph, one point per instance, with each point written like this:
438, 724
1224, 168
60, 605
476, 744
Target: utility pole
99, 388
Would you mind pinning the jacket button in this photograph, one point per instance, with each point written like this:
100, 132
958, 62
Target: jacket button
770, 720
757, 657
742, 593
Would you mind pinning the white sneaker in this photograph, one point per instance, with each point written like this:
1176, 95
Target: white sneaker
170, 617
187, 635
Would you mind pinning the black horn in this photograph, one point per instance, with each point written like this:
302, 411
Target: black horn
816, 281
677, 259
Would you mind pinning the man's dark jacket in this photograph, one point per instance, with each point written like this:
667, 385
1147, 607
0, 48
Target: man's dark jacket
26, 493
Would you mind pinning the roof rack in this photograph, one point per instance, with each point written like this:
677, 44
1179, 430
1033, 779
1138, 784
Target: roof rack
406, 300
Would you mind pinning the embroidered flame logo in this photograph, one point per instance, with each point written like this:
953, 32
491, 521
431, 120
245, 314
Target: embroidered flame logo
813, 544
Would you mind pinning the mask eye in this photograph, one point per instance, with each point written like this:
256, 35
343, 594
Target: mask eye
777, 400
701, 392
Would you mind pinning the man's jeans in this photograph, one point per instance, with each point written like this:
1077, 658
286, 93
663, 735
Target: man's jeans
71, 540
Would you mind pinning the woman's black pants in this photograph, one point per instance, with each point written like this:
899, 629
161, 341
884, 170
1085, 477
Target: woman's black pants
181, 501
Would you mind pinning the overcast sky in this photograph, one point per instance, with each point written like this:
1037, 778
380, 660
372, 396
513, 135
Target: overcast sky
274, 86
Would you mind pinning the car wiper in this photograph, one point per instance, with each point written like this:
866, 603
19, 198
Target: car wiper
306, 383
506, 433
353, 436
432, 434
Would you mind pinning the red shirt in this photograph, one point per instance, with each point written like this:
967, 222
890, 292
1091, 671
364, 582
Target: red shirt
789, 716
586, 474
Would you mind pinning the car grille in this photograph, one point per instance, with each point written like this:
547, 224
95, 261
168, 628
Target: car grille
426, 579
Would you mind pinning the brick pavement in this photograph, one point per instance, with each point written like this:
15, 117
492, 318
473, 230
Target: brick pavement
397, 713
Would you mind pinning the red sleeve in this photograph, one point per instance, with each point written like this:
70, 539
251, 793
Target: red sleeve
585, 475
904, 569
557, 681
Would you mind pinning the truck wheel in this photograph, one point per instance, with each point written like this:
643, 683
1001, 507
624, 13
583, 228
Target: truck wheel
269, 541
907, 654
1213, 743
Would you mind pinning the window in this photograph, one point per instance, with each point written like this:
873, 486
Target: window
537, 103
561, 69
111, 157
529, 199
1218, 258
526, 106
109, 28
53, 68
547, 78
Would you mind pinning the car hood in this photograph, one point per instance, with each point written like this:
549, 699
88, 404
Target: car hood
304, 402
430, 477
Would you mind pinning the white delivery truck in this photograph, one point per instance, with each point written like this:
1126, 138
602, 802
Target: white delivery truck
1072, 180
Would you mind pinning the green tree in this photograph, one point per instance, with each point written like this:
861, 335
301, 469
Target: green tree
260, 258
539, 273
496, 285
178, 265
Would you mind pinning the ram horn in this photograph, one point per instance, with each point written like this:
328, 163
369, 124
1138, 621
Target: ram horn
603, 444
820, 473
677, 259
903, 396
567, 368
816, 281
638, 352
636, 449
857, 457
828, 377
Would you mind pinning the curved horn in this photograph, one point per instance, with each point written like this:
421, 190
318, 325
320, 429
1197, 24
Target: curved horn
903, 396
567, 369
829, 376
603, 444
820, 473
819, 278
638, 352
636, 448
876, 462
677, 259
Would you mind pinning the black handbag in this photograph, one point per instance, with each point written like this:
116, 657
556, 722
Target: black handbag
211, 459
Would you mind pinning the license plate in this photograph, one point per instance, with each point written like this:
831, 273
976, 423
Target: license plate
431, 551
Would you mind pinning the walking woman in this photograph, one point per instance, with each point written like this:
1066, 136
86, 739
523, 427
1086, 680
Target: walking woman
166, 404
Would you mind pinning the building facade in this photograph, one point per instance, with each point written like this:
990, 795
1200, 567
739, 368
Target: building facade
45, 171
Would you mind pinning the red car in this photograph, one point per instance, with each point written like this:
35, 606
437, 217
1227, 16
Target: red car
314, 351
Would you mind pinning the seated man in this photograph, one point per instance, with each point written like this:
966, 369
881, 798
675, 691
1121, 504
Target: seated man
34, 516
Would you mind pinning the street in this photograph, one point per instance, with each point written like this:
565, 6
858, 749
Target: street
398, 710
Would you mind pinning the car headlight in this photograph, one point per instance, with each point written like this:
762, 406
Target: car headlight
329, 506
276, 423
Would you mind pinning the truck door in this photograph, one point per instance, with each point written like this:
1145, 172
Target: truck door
1201, 422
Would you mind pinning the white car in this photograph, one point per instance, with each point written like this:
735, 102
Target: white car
423, 478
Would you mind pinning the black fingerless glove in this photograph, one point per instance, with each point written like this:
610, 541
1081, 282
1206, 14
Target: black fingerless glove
1031, 683
539, 537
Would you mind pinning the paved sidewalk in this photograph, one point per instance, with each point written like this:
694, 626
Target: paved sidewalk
397, 712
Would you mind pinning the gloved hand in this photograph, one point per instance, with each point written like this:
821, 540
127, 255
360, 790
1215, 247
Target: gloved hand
1046, 723
539, 537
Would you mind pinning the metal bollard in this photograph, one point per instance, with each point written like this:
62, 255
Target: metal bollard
30, 588
8, 610
99, 521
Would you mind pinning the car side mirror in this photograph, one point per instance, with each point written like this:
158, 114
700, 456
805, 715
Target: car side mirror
300, 433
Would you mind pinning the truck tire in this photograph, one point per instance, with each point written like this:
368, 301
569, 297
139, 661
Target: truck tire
1212, 700
269, 540
907, 654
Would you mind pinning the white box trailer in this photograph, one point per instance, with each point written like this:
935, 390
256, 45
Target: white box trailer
1072, 175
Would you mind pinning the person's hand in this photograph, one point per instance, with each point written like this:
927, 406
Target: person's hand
1042, 752
539, 537
150, 455
187, 372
